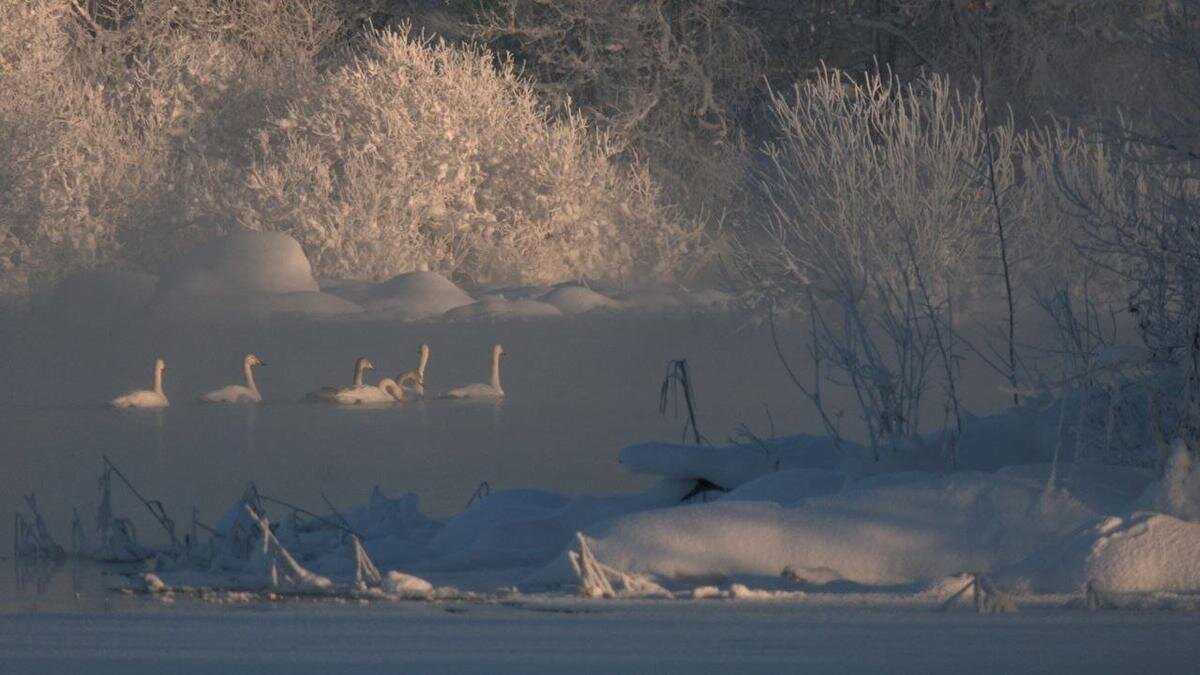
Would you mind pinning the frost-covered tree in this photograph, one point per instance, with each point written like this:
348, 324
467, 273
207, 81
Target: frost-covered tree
671, 81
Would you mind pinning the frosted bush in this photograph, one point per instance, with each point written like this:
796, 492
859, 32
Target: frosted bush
422, 156
117, 133
878, 217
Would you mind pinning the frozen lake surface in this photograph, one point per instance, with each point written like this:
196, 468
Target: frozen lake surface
601, 637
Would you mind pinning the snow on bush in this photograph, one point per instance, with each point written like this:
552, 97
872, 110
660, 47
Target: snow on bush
131, 140
419, 155
119, 137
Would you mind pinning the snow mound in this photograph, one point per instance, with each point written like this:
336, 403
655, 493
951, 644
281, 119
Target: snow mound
730, 466
573, 299
897, 529
416, 295
100, 296
245, 262
246, 275
1142, 552
494, 308
407, 586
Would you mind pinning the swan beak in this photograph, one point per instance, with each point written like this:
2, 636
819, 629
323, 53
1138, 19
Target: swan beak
262, 363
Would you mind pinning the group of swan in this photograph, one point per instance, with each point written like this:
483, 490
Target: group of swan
408, 384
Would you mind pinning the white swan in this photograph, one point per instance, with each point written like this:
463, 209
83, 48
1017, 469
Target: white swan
361, 366
416, 378
143, 398
238, 393
481, 390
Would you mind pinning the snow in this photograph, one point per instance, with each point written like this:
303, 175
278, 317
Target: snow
879, 531
414, 295
573, 299
244, 262
1141, 552
246, 274
407, 586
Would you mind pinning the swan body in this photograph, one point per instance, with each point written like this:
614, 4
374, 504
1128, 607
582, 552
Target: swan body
415, 378
146, 398
239, 393
384, 392
330, 394
480, 389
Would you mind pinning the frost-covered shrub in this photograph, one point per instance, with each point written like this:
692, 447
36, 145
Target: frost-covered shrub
119, 134
423, 156
879, 217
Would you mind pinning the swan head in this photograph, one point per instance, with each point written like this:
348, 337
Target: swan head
363, 363
498, 351
252, 360
423, 352
160, 365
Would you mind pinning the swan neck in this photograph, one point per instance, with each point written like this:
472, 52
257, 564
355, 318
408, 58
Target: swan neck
496, 371
421, 365
249, 372
358, 374
158, 381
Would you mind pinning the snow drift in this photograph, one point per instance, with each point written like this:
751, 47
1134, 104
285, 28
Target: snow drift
247, 274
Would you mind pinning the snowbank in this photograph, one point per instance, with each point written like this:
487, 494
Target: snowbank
246, 275
573, 299
244, 262
415, 295
1141, 552
885, 530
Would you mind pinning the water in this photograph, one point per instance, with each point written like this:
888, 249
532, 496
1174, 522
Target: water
578, 390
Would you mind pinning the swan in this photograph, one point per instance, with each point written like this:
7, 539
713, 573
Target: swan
143, 398
237, 393
481, 390
361, 366
416, 377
